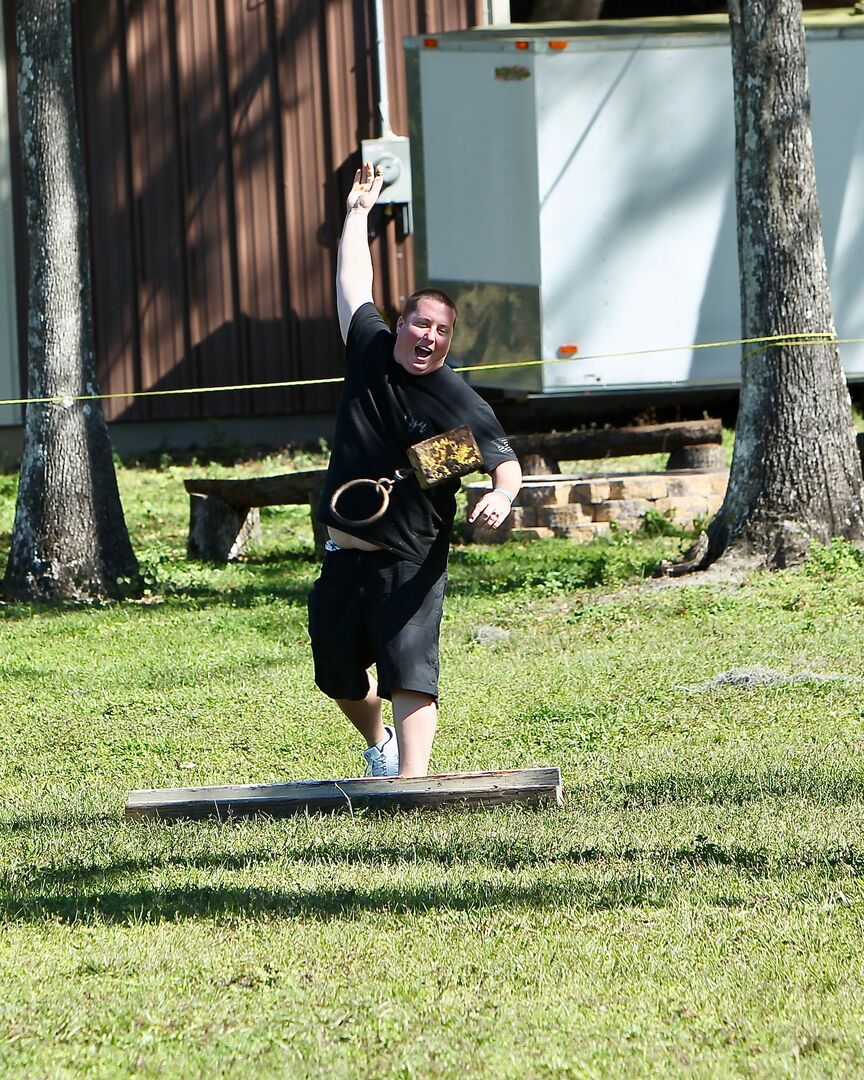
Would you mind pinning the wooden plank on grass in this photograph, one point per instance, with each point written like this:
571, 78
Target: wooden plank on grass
278, 800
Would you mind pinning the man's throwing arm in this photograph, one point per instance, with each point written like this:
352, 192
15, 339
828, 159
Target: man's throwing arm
354, 260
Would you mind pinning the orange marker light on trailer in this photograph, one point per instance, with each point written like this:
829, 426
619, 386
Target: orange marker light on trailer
522, 44
558, 44
568, 350
430, 43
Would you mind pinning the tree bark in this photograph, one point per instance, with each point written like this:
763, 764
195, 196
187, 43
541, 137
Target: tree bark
796, 474
70, 538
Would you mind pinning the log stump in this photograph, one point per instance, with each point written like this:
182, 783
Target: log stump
218, 531
698, 456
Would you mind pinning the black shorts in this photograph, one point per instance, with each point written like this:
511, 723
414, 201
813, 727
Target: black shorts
372, 607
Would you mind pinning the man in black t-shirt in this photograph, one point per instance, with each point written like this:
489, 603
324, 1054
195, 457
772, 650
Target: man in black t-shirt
380, 594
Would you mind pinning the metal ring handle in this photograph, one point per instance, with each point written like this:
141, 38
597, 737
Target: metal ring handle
383, 486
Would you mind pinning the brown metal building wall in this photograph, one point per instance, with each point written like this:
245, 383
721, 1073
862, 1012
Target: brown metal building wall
220, 138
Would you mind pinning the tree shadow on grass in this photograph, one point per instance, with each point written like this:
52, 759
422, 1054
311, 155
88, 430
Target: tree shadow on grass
276, 577
77, 892
189, 902
192, 595
654, 888
327, 854
736, 788
274, 587
56, 823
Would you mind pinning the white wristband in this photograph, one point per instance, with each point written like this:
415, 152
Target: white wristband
504, 491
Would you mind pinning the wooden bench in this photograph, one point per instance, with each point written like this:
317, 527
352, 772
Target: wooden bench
691, 444
224, 514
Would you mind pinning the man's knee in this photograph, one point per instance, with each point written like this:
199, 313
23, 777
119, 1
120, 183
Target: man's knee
407, 702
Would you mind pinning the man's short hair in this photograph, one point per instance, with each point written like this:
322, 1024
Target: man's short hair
432, 294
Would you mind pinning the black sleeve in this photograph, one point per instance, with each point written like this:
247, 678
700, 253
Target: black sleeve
366, 325
491, 438
472, 410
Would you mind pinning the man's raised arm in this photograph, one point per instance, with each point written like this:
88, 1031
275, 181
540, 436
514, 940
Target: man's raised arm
354, 262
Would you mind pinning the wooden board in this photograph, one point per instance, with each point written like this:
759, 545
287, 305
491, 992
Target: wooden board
278, 800
281, 490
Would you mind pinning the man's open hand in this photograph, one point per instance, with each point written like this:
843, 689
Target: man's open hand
364, 193
491, 511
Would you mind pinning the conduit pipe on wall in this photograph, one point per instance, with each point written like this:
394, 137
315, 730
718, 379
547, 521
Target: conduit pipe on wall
381, 46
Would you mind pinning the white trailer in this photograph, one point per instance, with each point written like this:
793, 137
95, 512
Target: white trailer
574, 188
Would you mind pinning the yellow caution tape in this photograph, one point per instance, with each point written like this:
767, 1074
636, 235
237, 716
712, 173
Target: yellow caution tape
776, 341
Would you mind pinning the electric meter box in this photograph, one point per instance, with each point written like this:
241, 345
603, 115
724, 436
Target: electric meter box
574, 191
392, 155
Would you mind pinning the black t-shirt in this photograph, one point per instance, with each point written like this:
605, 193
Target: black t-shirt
385, 409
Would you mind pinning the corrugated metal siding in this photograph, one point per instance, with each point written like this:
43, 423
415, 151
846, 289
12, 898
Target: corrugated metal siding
220, 140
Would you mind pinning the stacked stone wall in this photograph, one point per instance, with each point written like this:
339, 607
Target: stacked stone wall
581, 508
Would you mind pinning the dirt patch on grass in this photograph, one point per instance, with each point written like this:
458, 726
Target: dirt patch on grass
749, 678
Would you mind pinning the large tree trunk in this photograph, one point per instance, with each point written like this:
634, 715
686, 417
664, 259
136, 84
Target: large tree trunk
796, 473
70, 538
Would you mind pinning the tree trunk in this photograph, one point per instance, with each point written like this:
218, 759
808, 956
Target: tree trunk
70, 538
796, 473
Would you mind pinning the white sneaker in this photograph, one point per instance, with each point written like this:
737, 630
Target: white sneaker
383, 758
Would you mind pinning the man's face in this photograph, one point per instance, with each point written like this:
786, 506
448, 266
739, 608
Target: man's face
423, 337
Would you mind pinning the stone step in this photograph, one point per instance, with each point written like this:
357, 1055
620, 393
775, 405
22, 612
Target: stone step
582, 507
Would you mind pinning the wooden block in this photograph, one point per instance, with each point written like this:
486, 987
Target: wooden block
218, 531
538, 464
698, 456
443, 457
282, 799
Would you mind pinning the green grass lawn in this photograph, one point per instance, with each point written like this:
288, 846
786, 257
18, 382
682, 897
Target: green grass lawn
694, 910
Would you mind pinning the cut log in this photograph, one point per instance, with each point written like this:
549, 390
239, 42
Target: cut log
612, 442
698, 456
282, 799
538, 465
218, 531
